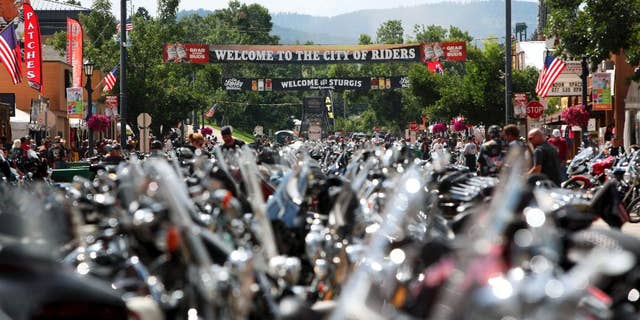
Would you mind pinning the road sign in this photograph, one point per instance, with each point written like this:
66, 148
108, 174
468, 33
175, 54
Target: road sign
535, 109
144, 120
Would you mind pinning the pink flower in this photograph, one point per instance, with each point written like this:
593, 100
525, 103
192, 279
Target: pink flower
98, 122
458, 124
575, 116
439, 128
206, 131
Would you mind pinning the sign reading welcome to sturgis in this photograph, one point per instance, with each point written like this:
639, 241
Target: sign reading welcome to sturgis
358, 83
417, 52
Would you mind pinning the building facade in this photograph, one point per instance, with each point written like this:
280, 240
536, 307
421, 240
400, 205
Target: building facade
47, 110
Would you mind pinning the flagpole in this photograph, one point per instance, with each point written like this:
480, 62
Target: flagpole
123, 73
98, 85
508, 59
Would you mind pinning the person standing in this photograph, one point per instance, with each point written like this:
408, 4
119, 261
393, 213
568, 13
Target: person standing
230, 143
438, 145
561, 144
470, 151
57, 154
512, 136
545, 157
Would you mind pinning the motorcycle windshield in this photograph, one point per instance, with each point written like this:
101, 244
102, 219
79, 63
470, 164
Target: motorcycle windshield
583, 155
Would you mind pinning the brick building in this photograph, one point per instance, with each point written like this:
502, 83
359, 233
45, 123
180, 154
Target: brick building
49, 109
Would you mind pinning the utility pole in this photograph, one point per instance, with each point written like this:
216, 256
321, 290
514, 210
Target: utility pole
583, 77
508, 61
123, 72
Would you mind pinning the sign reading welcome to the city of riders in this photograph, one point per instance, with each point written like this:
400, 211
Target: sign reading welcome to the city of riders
417, 52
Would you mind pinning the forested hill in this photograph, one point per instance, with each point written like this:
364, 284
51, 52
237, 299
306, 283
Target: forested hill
481, 19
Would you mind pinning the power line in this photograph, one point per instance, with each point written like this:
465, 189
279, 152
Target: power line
289, 104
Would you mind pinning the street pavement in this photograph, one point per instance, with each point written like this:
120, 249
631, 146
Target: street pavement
629, 228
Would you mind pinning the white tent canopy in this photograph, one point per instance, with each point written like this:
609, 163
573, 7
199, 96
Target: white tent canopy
20, 124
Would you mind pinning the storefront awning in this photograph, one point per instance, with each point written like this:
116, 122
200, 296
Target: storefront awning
555, 118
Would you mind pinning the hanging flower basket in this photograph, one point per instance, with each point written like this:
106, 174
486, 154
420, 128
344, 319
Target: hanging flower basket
206, 131
459, 125
98, 122
439, 128
575, 116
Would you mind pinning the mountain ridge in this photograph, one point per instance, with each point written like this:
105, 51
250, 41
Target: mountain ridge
481, 19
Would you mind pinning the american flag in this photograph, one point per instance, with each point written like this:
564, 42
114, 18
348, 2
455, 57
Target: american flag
10, 53
128, 27
110, 79
553, 67
211, 111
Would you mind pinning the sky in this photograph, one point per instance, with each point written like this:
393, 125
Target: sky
314, 7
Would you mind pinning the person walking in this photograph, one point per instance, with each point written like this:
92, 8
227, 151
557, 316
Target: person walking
491, 156
545, 157
561, 144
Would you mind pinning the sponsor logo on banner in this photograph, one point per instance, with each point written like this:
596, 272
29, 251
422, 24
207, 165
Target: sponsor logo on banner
444, 51
404, 82
233, 84
200, 53
185, 53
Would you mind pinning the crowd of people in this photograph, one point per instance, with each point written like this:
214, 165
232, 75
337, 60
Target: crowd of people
546, 154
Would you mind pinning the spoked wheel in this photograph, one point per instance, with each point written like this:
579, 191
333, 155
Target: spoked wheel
634, 211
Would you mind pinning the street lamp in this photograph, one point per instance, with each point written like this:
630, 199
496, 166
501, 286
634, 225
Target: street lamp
88, 70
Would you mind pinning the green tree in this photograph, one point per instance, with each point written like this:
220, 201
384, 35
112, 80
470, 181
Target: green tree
595, 28
432, 33
364, 39
390, 32
100, 24
167, 10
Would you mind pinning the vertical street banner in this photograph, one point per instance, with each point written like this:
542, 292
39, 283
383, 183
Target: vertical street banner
32, 48
601, 91
329, 105
74, 50
520, 105
111, 103
75, 105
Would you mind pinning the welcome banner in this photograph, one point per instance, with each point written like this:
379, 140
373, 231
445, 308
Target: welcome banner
315, 54
32, 47
338, 84
74, 50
